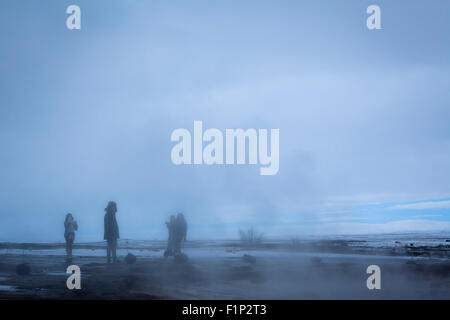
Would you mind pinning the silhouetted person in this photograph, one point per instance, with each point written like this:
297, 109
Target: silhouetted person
111, 231
177, 228
180, 233
70, 226
170, 242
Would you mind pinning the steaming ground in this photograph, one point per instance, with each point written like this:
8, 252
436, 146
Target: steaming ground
412, 267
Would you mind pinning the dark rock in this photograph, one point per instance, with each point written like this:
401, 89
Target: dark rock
249, 258
130, 258
23, 269
181, 257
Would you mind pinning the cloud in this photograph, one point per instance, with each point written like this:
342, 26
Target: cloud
358, 126
423, 205
354, 228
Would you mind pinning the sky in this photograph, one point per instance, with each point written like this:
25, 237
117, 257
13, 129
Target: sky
86, 116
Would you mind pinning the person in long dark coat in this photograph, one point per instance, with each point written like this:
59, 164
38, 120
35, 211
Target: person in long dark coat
180, 233
170, 242
177, 228
70, 226
111, 231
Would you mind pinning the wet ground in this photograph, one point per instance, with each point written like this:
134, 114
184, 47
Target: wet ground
330, 270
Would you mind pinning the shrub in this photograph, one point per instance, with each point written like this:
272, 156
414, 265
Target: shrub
250, 237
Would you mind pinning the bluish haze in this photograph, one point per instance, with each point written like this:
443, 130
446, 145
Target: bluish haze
86, 116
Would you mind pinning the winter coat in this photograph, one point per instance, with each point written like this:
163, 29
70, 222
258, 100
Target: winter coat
111, 227
70, 226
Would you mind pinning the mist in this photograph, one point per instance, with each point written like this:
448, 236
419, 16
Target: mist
86, 117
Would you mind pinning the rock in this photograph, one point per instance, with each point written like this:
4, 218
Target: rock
448, 240
23, 269
181, 257
130, 258
249, 258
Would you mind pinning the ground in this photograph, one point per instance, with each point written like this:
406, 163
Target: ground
332, 269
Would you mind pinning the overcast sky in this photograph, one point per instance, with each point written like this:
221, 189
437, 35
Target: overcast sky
86, 116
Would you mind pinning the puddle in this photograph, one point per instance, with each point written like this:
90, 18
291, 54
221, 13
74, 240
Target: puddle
63, 274
57, 273
7, 288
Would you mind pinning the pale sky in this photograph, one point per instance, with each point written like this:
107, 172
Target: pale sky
86, 116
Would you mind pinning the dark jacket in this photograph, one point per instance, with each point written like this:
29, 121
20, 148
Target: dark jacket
180, 228
111, 227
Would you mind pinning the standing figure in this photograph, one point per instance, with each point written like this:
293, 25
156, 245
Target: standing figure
111, 231
70, 226
170, 242
177, 228
180, 233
